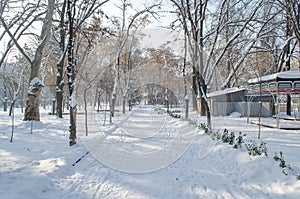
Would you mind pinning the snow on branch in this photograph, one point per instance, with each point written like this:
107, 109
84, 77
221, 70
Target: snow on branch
36, 81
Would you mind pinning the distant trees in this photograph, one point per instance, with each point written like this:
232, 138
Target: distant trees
126, 24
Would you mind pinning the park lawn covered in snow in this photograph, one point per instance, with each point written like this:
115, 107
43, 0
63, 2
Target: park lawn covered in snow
180, 161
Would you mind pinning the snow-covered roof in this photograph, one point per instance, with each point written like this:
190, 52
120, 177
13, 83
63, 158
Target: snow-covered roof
225, 91
286, 75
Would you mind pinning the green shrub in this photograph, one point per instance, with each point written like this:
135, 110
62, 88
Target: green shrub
172, 114
239, 141
225, 136
215, 135
254, 149
280, 159
231, 138
205, 128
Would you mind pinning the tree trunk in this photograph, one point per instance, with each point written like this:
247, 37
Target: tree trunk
85, 112
113, 104
22, 96
72, 126
124, 104
59, 104
59, 88
96, 98
32, 111
60, 64
115, 86
99, 102
71, 74
11, 107
186, 98
288, 58
194, 90
5, 104
4, 100
204, 101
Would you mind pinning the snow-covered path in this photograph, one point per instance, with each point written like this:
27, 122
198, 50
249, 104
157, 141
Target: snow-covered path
145, 140
39, 165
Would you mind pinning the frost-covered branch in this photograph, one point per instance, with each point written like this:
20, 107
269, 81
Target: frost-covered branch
233, 38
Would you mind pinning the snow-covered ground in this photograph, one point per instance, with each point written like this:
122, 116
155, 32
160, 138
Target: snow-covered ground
144, 154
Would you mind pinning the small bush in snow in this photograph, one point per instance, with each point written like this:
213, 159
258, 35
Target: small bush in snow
286, 167
173, 114
254, 149
239, 141
231, 138
228, 137
215, 135
205, 128
280, 159
225, 136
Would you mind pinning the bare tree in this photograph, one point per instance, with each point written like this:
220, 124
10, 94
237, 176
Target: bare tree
83, 10
32, 103
16, 90
191, 16
77, 13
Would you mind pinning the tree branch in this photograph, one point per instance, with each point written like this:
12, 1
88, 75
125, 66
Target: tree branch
15, 41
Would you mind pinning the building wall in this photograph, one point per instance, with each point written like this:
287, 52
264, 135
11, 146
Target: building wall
226, 108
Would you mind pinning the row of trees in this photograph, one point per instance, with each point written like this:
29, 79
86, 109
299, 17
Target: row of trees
224, 43
231, 38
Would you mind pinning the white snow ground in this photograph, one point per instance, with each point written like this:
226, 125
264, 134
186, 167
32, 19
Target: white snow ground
171, 160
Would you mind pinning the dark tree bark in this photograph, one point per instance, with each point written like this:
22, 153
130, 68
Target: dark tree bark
287, 55
204, 101
4, 100
60, 64
71, 72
